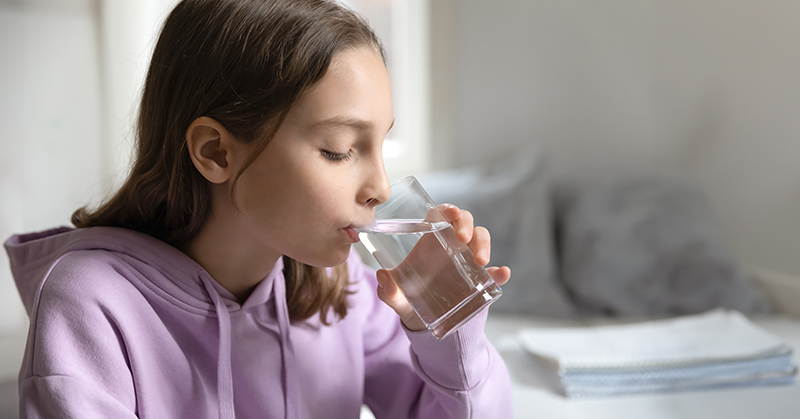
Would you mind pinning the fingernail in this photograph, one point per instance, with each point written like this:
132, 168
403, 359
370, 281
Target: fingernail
481, 254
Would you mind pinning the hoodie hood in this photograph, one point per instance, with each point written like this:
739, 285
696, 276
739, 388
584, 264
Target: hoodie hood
32, 257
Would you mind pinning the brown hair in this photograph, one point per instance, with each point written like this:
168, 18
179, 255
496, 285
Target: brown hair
243, 63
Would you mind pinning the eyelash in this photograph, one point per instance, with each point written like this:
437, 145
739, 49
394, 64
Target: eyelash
336, 157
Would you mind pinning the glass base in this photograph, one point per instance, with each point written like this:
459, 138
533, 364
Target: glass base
465, 311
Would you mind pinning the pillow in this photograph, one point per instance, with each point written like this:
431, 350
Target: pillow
648, 247
511, 199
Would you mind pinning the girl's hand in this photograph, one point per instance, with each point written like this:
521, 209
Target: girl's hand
478, 241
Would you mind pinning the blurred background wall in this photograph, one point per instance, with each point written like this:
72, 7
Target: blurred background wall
50, 119
609, 88
70, 73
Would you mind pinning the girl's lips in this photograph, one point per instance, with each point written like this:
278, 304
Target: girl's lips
352, 234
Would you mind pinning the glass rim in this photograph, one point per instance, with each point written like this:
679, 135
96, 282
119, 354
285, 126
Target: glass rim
406, 183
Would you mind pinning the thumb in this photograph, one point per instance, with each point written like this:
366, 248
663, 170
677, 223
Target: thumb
390, 293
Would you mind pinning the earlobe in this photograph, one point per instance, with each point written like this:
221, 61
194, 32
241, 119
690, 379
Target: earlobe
210, 147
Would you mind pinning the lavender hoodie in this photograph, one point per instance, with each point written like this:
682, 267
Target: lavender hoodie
123, 325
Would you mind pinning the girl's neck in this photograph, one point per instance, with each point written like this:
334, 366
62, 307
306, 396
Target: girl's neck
238, 266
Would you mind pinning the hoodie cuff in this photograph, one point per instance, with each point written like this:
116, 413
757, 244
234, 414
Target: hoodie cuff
457, 362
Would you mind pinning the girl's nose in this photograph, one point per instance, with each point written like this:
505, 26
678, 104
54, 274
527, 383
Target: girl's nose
384, 194
377, 188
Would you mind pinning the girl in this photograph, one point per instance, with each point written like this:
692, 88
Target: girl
218, 281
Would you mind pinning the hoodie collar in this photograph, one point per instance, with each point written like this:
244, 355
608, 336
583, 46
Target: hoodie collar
261, 294
224, 303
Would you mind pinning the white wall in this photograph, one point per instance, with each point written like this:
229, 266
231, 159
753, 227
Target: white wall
50, 119
71, 75
622, 87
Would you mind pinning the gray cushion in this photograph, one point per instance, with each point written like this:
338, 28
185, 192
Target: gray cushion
648, 247
511, 199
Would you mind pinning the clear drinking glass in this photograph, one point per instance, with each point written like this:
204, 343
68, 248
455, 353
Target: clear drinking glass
412, 240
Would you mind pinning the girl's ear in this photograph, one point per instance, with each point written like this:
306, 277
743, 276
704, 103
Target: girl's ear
211, 148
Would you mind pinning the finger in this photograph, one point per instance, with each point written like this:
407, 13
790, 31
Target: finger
463, 226
390, 294
388, 291
481, 246
450, 212
443, 212
501, 275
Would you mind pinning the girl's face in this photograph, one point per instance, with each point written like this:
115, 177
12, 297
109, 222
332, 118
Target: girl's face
313, 181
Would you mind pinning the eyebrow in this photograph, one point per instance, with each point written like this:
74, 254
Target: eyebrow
344, 121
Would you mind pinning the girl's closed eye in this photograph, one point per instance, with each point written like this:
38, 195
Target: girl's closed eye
336, 157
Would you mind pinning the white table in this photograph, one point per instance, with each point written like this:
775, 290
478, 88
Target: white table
534, 397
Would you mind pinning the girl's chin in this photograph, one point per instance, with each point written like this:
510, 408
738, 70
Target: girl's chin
330, 259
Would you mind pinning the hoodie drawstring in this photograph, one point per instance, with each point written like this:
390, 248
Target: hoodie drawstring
224, 373
292, 392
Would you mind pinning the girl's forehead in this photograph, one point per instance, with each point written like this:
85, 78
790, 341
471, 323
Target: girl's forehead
355, 87
356, 68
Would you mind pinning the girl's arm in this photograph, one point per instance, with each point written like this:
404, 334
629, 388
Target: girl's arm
414, 375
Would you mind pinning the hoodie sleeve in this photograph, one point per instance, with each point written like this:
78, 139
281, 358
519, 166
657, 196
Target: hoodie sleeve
75, 362
414, 375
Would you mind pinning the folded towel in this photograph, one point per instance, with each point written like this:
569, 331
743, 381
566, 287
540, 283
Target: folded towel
719, 348
773, 378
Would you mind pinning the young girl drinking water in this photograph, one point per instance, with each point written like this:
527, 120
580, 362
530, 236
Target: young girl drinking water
219, 281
